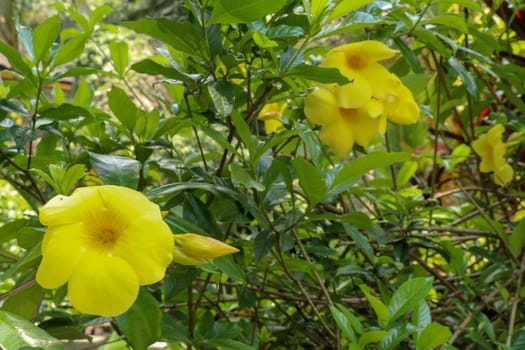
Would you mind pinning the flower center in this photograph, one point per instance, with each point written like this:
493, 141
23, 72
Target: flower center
106, 237
354, 61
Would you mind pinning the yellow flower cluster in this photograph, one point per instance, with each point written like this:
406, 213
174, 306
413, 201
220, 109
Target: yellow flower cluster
270, 114
491, 149
355, 112
107, 241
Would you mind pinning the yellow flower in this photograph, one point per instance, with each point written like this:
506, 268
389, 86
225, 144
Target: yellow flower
104, 242
358, 62
270, 115
357, 111
194, 249
491, 149
341, 127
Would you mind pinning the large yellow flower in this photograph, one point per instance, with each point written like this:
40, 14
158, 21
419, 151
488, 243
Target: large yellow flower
357, 111
105, 242
341, 127
491, 149
358, 62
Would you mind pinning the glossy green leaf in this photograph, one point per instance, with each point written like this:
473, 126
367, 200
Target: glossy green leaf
346, 6
223, 96
379, 307
360, 240
64, 112
141, 323
345, 324
116, 170
45, 35
71, 49
360, 166
449, 20
517, 238
466, 77
119, 55
372, 337
318, 74
230, 268
433, 336
24, 303
241, 176
310, 180
408, 296
239, 11
19, 334
122, 107
15, 59
229, 344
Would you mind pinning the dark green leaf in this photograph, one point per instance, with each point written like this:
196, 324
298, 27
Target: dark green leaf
65, 111
466, 77
241, 176
517, 239
319, 74
310, 180
148, 66
141, 323
116, 170
24, 303
230, 268
223, 96
240, 11
19, 333
16, 60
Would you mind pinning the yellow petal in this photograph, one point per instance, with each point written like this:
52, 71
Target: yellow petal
370, 50
383, 82
61, 251
61, 210
129, 203
320, 106
481, 146
504, 174
364, 128
400, 106
354, 95
203, 247
339, 136
146, 244
272, 125
103, 285
269, 111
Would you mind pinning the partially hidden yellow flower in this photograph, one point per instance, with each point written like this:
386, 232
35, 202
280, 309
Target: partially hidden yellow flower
194, 249
491, 149
104, 242
270, 115
357, 111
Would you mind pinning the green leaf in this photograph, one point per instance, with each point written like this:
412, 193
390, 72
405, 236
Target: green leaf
65, 111
73, 174
449, 20
346, 6
360, 240
263, 41
371, 337
70, 50
182, 36
223, 96
344, 323
229, 344
409, 55
241, 11
319, 74
310, 180
19, 334
459, 154
517, 238
149, 66
379, 308
398, 335
240, 176
16, 60
24, 303
230, 268
466, 77
45, 35
360, 166
116, 170
141, 323
421, 317
98, 14
433, 336
243, 130
122, 107
408, 296
119, 55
